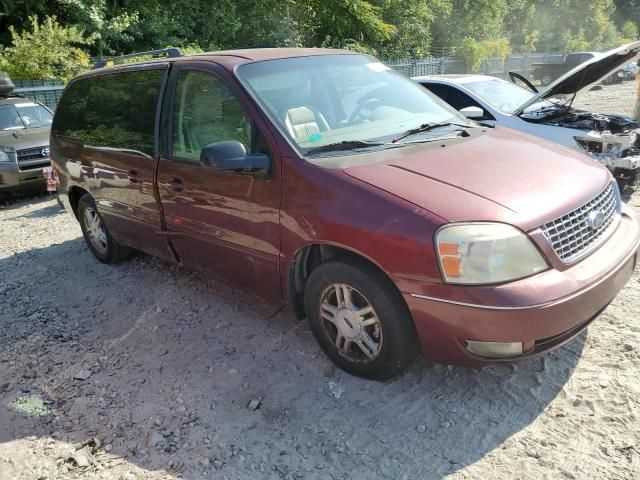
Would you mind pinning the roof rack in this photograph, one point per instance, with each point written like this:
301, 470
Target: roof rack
163, 53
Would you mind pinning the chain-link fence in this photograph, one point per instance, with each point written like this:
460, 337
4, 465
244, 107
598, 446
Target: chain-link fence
497, 67
47, 92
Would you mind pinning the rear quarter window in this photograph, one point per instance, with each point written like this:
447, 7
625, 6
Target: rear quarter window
115, 110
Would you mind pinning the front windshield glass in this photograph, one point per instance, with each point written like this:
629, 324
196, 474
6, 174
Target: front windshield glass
325, 99
504, 96
24, 115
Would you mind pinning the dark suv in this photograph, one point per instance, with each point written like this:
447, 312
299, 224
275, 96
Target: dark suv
323, 179
24, 141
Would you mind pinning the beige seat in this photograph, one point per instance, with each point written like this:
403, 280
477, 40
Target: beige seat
302, 123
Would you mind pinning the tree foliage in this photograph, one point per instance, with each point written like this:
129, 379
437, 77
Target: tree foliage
391, 28
476, 51
46, 50
563, 25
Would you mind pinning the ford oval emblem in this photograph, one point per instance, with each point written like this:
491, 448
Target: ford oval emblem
45, 152
595, 219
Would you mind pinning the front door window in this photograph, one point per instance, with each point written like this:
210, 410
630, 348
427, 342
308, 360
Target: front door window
205, 112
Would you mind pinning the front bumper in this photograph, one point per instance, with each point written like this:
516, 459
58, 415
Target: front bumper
14, 181
543, 312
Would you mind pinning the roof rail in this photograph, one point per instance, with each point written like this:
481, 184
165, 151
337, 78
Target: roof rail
163, 53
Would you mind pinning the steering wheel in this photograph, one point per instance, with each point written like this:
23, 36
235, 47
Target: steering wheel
369, 104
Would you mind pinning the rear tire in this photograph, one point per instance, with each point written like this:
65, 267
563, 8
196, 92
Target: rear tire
103, 246
360, 319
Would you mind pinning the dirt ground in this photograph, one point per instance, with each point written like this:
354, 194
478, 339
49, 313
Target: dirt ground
618, 98
179, 378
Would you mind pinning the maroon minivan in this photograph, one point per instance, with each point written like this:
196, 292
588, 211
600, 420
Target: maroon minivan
324, 179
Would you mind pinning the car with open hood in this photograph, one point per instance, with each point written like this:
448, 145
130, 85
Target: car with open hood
325, 180
24, 141
611, 139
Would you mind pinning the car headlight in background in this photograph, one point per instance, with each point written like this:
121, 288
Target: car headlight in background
4, 154
484, 253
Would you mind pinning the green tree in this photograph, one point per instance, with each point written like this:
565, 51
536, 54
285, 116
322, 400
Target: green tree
571, 25
339, 23
105, 25
628, 11
47, 50
629, 31
477, 51
18, 12
520, 25
475, 19
412, 20
386, 27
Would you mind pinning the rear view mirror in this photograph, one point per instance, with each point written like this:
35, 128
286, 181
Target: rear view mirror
231, 156
474, 113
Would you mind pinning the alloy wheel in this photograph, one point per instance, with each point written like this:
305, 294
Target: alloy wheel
350, 322
95, 230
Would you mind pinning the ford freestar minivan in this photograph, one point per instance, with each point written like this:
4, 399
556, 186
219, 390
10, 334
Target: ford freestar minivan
326, 180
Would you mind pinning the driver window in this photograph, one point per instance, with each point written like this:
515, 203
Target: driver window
455, 97
204, 112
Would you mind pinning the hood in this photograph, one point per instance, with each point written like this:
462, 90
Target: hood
25, 138
500, 176
586, 74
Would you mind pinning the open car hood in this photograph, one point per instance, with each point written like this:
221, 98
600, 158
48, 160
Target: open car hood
586, 74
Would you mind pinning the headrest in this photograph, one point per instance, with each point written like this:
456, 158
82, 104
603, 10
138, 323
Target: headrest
301, 115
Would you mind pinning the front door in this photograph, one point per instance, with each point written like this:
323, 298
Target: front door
223, 223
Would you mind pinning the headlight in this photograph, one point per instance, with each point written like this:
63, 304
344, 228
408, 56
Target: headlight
4, 154
483, 253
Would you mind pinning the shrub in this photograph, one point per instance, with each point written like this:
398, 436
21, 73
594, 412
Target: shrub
47, 50
476, 51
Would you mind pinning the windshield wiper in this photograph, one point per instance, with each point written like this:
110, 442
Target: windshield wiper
425, 127
344, 145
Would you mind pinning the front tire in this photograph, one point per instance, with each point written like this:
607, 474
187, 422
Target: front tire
103, 246
360, 319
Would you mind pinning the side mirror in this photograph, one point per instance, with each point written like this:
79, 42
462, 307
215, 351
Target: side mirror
231, 156
474, 113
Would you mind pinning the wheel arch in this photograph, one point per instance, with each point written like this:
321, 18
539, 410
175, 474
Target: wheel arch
75, 193
306, 259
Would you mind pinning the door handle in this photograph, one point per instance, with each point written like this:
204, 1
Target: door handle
132, 175
175, 184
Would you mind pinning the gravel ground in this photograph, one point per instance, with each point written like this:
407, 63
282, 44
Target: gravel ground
143, 371
618, 98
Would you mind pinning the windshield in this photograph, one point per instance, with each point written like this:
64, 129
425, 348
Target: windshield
24, 115
325, 99
504, 96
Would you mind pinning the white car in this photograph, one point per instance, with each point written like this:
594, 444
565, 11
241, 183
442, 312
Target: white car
613, 140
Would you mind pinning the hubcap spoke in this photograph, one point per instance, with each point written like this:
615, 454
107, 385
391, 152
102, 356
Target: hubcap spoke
367, 345
343, 295
342, 343
328, 312
95, 231
102, 237
369, 321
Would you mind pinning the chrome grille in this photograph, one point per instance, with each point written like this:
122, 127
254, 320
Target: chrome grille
33, 158
583, 229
